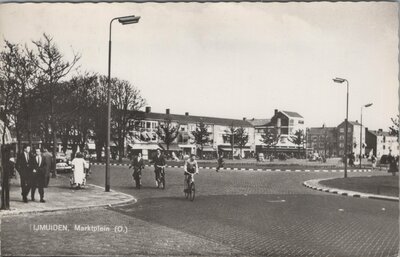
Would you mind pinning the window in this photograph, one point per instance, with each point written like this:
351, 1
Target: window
383, 147
314, 138
341, 137
301, 121
291, 122
348, 129
341, 130
341, 145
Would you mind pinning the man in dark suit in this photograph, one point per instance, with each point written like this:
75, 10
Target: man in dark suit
25, 171
38, 175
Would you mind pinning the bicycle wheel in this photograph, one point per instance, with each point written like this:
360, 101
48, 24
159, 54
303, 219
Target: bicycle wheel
162, 180
192, 191
185, 188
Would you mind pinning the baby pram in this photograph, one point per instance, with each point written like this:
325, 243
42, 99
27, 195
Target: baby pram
75, 185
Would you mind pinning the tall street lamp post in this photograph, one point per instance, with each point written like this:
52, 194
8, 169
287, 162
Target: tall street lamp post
361, 145
125, 20
340, 80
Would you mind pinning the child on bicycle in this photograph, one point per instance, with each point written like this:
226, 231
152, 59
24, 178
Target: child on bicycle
191, 167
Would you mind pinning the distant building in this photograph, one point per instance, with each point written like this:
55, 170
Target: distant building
144, 138
382, 143
286, 123
323, 140
353, 138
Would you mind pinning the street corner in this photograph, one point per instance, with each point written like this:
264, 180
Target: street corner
354, 191
59, 198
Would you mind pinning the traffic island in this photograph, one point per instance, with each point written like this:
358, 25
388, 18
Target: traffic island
373, 187
59, 196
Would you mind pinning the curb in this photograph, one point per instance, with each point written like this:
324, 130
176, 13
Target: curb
132, 199
248, 169
315, 185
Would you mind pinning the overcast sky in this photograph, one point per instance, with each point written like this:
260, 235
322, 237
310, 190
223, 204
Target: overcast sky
234, 60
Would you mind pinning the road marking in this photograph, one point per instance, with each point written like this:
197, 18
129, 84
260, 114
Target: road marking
276, 201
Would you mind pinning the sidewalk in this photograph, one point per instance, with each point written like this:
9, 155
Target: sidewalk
362, 188
59, 196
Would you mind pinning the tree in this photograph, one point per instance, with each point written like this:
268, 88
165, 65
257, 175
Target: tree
270, 137
241, 138
16, 74
167, 132
298, 139
201, 136
52, 68
394, 129
126, 102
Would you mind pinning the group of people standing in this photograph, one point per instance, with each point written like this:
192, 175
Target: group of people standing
34, 171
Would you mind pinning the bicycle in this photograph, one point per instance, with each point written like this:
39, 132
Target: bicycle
189, 186
161, 180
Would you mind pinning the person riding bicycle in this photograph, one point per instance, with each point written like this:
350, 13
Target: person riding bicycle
159, 164
191, 167
137, 165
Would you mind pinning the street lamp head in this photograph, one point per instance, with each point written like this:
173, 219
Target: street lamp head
368, 105
129, 19
339, 80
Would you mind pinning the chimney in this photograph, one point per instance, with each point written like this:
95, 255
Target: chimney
276, 111
244, 118
167, 111
380, 130
186, 114
148, 109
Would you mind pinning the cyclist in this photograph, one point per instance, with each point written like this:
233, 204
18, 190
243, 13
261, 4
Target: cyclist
159, 164
191, 167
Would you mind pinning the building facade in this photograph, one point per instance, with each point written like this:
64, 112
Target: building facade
285, 123
353, 138
144, 138
381, 143
322, 140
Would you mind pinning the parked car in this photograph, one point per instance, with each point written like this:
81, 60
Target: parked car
62, 163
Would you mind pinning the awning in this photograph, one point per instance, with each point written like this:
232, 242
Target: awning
187, 146
171, 147
209, 149
226, 149
144, 146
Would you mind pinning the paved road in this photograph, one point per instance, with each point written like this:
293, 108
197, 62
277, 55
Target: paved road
235, 213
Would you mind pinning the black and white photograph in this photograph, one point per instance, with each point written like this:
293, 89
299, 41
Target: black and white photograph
199, 129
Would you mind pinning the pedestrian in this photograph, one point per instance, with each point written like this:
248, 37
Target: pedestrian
137, 165
373, 160
25, 171
351, 160
38, 175
159, 163
393, 167
220, 162
79, 165
48, 160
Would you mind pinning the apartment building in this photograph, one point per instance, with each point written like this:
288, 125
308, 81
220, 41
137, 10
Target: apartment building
144, 138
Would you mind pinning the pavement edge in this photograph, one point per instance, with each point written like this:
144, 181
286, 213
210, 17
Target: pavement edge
315, 185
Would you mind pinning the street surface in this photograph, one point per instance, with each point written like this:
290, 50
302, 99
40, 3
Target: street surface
235, 213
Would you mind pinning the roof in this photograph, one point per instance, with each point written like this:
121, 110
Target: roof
259, 122
381, 133
354, 123
320, 130
292, 114
185, 119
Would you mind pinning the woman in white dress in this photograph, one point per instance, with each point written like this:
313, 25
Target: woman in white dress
79, 164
